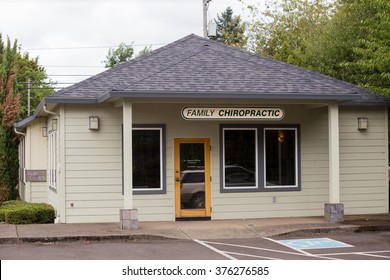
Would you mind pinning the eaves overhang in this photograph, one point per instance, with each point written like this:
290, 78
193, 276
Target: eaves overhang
342, 97
29, 119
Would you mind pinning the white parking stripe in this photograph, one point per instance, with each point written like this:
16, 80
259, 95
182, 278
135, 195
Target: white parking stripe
373, 255
214, 249
254, 248
252, 256
356, 253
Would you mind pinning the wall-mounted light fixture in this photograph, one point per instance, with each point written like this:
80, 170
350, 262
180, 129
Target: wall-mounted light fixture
93, 123
362, 123
44, 131
54, 124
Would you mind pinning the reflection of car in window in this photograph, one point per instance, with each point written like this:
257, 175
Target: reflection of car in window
239, 176
192, 191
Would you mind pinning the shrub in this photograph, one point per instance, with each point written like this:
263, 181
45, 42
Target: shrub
20, 212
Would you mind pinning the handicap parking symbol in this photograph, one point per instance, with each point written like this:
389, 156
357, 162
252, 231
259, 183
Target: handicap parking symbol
313, 243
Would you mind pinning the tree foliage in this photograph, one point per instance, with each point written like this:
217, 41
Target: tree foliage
145, 50
28, 68
230, 29
121, 54
9, 108
370, 67
346, 39
14, 68
282, 29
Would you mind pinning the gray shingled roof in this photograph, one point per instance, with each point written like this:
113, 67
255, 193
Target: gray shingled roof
197, 67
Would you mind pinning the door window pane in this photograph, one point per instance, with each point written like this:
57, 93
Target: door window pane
192, 181
280, 157
147, 158
240, 158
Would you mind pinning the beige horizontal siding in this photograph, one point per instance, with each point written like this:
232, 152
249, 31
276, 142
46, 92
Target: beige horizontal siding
93, 164
363, 161
39, 192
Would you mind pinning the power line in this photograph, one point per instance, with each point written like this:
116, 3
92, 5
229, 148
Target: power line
90, 47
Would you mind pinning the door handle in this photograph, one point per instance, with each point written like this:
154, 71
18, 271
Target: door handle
177, 179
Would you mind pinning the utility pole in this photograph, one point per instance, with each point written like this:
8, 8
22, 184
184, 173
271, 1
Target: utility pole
205, 8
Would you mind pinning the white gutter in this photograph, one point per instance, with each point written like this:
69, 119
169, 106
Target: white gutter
19, 133
47, 111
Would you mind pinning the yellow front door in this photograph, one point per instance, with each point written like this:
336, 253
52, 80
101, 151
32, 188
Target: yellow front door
192, 177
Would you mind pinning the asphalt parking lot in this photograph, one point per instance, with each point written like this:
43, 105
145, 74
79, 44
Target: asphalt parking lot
352, 246
342, 246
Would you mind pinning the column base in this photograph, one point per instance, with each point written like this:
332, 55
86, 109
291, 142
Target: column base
334, 212
129, 219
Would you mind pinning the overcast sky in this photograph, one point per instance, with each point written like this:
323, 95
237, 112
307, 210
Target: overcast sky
72, 37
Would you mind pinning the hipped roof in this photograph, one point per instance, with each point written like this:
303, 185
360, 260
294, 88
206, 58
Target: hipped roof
195, 67
201, 68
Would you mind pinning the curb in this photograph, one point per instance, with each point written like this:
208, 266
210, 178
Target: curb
91, 238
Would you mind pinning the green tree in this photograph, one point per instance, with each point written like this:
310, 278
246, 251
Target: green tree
354, 45
121, 54
371, 67
40, 85
145, 50
9, 108
282, 29
15, 68
230, 29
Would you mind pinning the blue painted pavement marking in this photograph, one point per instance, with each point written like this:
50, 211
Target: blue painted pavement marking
313, 243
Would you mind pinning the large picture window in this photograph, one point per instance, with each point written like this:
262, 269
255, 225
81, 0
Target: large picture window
240, 158
259, 158
148, 159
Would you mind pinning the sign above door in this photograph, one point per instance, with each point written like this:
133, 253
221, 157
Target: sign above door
232, 113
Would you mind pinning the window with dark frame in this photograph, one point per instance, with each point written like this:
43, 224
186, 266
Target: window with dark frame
259, 158
148, 159
280, 149
240, 158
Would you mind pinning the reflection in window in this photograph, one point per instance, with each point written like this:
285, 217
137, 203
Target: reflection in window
240, 158
280, 157
147, 158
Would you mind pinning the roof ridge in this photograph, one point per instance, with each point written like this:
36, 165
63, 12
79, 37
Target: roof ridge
169, 66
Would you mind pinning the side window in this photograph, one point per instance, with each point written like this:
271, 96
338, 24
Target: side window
148, 159
52, 162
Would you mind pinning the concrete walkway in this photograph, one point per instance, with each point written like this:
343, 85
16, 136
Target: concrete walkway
220, 229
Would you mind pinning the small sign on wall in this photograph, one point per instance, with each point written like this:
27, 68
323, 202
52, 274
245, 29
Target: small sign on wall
232, 113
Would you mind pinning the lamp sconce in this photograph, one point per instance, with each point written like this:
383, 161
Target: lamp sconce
93, 123
362, 123
44, 131
54, 124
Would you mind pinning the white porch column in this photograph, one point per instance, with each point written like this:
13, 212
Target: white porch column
128, 215
334, 154
334, 210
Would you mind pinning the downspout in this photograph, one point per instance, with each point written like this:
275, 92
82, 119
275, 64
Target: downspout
47, 111
19, 133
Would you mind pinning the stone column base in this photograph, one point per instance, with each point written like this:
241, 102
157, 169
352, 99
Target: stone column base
334, 212
129, 219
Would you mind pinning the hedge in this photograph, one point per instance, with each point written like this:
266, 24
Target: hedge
20, 212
